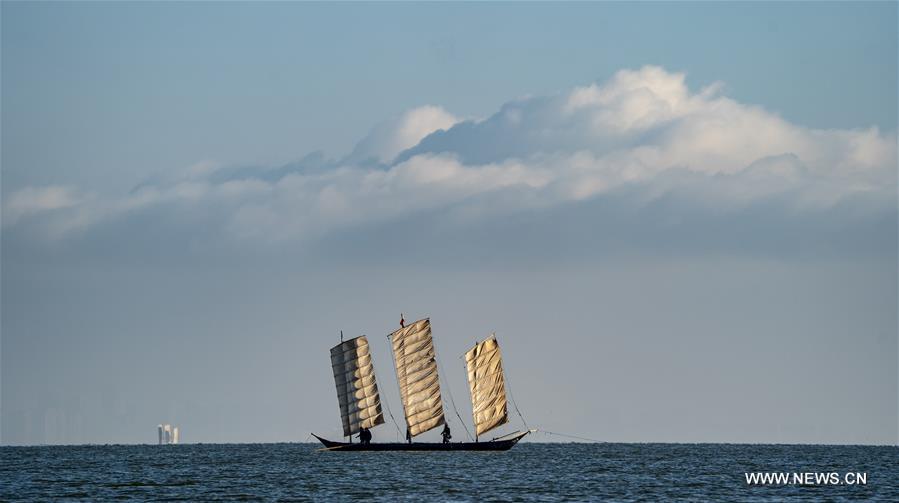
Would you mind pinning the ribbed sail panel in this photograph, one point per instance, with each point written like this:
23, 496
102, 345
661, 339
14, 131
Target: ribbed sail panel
488, 386
357, 391
416, 371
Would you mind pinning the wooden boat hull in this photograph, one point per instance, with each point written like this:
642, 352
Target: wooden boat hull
502, 444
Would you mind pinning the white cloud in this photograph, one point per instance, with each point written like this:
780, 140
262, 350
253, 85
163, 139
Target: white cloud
643, 128
35, 200
390, 138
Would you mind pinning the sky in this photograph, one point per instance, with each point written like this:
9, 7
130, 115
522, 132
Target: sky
680, 219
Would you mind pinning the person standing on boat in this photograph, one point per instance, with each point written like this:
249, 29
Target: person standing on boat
446, 433
364, 436
408, 436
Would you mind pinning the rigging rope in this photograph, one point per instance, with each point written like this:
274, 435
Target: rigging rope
399, 432
512, 398
397, 377
571, 436
453, 402
384, 397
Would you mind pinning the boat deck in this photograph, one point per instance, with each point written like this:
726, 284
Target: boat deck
502, 444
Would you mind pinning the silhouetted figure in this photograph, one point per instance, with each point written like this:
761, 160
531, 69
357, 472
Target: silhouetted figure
402, 321
446, 433
364, 436
408, 436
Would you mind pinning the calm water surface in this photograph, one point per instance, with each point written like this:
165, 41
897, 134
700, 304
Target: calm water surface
529, 472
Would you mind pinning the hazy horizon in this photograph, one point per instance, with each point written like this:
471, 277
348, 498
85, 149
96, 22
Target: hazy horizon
680, 220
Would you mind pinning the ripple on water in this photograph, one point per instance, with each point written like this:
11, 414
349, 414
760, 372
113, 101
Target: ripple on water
529, 472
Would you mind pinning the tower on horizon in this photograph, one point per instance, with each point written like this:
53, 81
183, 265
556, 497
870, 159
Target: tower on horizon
167, 434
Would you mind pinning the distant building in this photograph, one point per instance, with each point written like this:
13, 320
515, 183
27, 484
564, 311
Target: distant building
167, 434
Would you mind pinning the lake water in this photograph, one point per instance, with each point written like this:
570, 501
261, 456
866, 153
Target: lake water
529, 472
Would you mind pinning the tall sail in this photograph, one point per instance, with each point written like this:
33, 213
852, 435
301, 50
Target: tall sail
416, 371
488, 386
357, 391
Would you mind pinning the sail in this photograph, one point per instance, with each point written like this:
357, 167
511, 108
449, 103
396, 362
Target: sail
416, 371
357, 391
488, 386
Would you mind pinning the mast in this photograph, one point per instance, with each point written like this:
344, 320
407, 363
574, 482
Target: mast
357, 390
487, 385
416, 373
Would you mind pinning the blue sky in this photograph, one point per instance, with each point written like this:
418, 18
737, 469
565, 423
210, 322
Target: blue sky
695, 201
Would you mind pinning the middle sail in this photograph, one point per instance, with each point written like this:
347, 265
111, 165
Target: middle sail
416, 371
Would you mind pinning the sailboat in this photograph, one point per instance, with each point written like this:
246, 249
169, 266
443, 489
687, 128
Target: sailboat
415, 363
